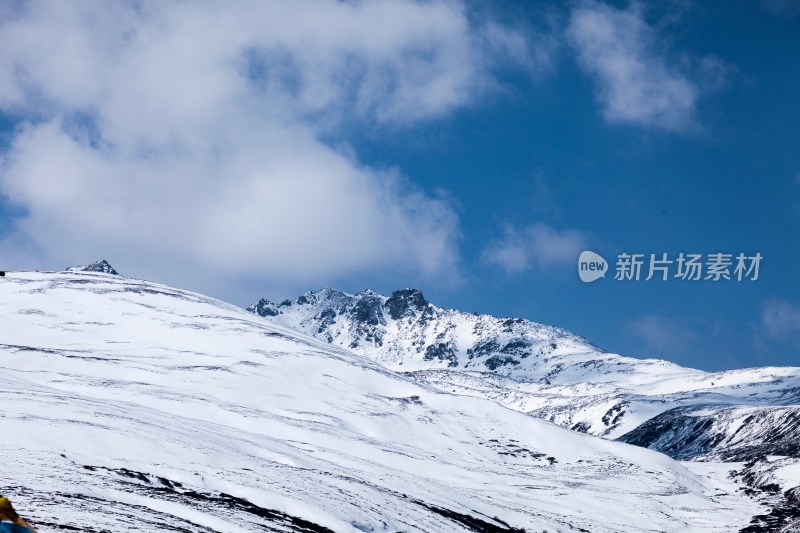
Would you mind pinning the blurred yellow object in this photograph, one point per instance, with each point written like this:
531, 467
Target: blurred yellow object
7, 512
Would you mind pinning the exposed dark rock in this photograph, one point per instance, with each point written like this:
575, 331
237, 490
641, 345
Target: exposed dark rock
615, 414
784, 508
483, 348
581, 427
264, 308
442, 351
326, 318
98, 266
367, 310
471, 522
518, 347
509, 323
500, 360
403, 302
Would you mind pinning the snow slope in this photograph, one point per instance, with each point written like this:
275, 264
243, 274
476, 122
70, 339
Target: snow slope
132, 406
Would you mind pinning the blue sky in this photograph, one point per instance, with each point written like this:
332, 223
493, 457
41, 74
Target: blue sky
469, 149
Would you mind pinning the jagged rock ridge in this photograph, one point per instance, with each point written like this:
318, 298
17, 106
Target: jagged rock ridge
101, 266
405, 330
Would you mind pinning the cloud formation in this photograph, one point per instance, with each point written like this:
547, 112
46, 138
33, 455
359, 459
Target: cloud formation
163, 133
780, 319
662, 333
535, 245
635, 82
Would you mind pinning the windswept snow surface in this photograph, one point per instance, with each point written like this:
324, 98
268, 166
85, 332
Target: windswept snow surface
132, 406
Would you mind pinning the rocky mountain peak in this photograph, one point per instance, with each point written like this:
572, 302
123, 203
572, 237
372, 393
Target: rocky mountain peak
101, 266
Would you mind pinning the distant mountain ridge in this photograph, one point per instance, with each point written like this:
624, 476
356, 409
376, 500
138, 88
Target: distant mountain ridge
406, 332
553, 374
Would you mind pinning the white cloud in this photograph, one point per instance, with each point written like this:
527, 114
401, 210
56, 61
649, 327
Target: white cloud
636, 85
661, 333
535, 245
780, 319
181, 133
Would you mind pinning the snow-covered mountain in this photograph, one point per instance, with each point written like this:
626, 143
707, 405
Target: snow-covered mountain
548, 372
132, 406
748, 416
406, 332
